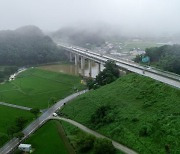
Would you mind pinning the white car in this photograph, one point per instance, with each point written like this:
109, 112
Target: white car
54, 114
148, 67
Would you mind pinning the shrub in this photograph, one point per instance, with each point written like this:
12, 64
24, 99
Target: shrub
145, 130
102, 116
90, 83
135, 119
86, 143
103, 146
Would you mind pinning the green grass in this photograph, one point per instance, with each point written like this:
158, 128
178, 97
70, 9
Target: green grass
135, 102
8, 116
48, 139
34, 88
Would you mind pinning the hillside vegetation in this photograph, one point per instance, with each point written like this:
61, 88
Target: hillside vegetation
134, 110
27, 46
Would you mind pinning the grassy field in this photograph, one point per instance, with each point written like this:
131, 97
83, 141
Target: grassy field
35, 87
129, 45
50, 139
7, 119
67, 68
140, 112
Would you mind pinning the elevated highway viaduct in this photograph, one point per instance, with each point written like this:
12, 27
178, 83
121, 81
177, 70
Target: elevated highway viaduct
80, 54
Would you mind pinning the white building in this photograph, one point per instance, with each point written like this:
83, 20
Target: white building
25, 147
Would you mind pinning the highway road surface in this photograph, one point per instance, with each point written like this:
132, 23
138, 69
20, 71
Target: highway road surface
154, 73
12, 144
116, 144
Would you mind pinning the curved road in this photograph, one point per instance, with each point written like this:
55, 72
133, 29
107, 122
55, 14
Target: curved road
116, 144
12, 144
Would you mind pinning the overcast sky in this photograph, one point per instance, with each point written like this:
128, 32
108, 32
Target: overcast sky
128, 15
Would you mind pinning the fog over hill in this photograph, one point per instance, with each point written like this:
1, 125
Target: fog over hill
136, 17
26, 46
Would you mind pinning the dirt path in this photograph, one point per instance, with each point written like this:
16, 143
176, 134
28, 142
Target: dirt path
116, 144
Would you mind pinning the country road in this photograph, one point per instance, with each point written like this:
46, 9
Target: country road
15, 106
116, 144
13, 143
18, 106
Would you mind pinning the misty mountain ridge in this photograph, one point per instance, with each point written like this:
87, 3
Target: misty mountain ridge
96, 35
29, 30
25, 30
27, 46
100, 33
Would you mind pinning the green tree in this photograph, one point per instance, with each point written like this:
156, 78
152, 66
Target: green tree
108, 75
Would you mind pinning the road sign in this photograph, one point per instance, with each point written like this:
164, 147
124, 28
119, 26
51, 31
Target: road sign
145, 59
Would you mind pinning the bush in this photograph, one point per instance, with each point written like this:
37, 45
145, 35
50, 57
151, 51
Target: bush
90, 83
102, 116
145, 130
103, 146
135, 119
86, 143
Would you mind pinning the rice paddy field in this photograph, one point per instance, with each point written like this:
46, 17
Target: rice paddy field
36, 87
8, 117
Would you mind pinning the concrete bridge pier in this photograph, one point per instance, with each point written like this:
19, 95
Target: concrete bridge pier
76, 59
82, 62
70, 57
99, 67
90, 68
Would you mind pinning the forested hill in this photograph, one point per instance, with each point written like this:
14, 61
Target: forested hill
27, 45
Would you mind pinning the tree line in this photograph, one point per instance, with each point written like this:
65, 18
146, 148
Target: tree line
166, 57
